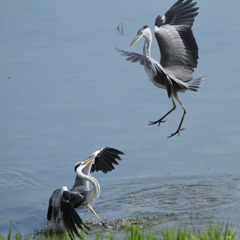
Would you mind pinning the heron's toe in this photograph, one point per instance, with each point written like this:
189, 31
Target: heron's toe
156, 122
176, 133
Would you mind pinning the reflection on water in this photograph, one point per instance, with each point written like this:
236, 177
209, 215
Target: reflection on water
65, 92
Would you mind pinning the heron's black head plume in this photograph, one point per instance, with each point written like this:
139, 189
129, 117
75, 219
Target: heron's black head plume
142, 28
76, 166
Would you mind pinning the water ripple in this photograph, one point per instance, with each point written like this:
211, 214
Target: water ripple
16, 179
169, 198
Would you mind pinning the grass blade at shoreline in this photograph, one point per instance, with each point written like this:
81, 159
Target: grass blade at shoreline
138, 232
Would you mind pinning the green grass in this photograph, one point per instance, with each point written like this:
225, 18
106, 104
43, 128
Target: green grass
211, 232
138, 232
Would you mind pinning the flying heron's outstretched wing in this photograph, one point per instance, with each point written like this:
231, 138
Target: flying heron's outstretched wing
150, 63
175, 38
105, 159
61, 210
157, 71
182, 12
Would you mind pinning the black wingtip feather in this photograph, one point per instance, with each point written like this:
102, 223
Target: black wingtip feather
106, 159
72, 220
182, 12
49, 213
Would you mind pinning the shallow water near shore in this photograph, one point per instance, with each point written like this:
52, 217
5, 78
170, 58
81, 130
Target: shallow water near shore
66, 92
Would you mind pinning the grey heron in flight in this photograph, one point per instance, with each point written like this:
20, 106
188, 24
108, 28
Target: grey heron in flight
63, 202
179, 54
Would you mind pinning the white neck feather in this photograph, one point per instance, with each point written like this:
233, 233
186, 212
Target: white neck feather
148, 42
96, 187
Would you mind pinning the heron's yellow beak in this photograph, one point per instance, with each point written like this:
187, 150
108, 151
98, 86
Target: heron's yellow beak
87, 162
135, 40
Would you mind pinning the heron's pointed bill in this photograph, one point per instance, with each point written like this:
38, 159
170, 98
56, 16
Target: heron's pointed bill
136, 39
88, 161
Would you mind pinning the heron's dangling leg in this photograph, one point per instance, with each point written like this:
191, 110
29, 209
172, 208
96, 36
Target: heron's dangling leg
92, 210
180, 124
161, 119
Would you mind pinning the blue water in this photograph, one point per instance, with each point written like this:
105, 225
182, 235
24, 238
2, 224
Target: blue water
66, 92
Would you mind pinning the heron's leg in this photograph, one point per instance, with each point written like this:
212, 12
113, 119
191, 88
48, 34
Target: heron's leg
92, 210
161, 119
180, 124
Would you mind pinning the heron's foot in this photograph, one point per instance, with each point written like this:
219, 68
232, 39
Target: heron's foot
156, 122
177, 132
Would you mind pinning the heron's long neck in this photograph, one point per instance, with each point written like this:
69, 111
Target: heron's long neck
147, 46
96, 187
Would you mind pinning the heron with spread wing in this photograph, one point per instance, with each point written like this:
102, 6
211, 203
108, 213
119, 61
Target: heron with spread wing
63, 202
179, 54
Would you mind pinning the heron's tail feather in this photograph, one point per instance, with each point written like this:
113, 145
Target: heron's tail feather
195, 83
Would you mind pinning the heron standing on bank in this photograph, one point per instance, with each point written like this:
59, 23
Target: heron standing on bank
63, 202
179, 54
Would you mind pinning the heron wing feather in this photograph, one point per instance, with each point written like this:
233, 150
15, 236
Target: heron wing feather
178, 46
143, 60
54, 204
61, 210
72, 220
182, 12
159, 74
175, 38
105, 159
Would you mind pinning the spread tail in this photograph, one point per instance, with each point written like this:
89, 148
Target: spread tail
195, 83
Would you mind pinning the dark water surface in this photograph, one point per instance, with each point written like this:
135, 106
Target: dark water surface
65, 92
